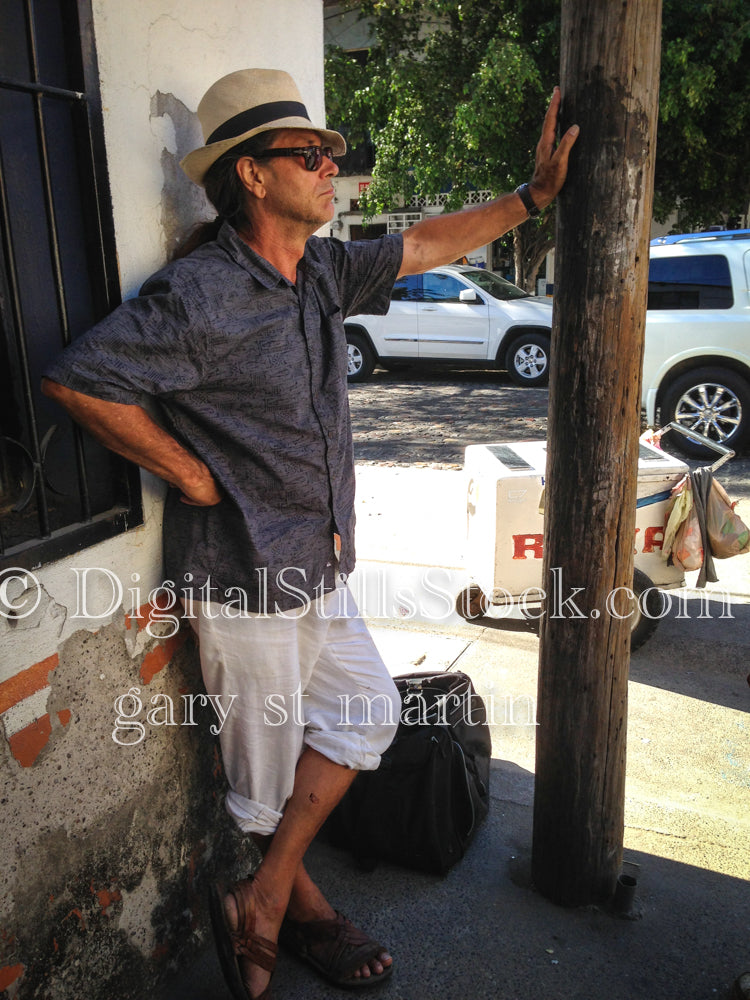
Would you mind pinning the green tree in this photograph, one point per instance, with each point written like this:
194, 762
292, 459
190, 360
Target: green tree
453, 94
703, 146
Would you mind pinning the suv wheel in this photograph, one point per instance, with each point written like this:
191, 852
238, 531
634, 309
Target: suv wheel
527, 359
360, 358
715, 402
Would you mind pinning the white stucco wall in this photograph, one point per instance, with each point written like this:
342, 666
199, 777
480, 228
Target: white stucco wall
180, 48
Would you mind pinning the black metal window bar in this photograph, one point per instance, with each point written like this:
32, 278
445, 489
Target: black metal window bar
59, 490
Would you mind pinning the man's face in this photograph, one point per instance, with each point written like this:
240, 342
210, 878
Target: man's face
291, 191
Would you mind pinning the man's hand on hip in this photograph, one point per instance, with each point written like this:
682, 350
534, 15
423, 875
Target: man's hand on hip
131, 432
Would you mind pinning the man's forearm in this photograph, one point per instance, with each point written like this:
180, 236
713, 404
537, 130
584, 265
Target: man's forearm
444, 238
132, 433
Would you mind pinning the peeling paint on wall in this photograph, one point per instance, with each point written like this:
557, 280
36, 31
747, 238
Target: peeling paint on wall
183, 203
152, 636
29, 618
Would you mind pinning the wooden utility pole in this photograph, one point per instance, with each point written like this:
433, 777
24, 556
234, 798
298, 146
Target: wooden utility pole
610, 83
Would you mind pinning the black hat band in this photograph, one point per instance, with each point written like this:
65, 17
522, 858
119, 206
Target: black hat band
255, 117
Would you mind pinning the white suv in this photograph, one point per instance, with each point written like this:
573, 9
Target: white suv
696, 368
459, 315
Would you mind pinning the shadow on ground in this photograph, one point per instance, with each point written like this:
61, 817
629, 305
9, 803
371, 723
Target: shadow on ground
671, 659
483, 933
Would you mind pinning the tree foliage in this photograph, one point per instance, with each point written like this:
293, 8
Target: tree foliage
453, 95
703, 145
454, 91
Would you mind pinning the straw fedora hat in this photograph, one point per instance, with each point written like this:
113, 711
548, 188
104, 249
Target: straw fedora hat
244, 104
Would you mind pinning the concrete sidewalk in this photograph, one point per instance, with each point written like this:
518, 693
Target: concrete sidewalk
482, 931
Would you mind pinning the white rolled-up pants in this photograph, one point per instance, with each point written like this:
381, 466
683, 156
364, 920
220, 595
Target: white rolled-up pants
299, 680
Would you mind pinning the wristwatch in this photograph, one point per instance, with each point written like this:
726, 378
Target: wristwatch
524, 193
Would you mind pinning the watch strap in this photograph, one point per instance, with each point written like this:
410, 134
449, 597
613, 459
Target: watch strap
524, 193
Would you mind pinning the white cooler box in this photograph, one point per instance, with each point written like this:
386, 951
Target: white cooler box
505, 529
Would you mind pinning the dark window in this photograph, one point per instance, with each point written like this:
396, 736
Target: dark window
407, 289
700, 282
371, 232
498, 287
59, 490
359, 159
441, 288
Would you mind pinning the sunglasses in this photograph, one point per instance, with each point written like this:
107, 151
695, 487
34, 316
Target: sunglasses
313, 154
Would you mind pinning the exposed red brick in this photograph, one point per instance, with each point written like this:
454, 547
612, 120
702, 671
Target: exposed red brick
9, 974
26, 682
107, 898
160, 656
76, 913
28, 743
145, 614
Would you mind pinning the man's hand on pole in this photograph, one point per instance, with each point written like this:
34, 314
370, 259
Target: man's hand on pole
551, 166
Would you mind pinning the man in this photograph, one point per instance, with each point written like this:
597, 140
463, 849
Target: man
241, 344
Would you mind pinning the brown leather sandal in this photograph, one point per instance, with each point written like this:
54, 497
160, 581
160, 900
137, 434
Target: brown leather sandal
336, 948
242, 943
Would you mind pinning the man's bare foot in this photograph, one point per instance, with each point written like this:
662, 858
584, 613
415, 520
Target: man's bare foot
376, 966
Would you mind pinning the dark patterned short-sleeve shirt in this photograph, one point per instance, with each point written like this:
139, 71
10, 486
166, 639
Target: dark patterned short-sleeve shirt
249, 373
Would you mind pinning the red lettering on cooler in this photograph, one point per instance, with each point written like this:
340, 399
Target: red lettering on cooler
527, 543
654, 539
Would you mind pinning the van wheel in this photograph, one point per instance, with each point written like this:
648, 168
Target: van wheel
643, 626
360, 358
715, 402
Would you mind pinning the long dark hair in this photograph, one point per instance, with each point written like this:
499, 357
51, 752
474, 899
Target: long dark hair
226, 192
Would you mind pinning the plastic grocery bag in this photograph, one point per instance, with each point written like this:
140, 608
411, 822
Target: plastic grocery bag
682, 525
687, 551
728, 535
682, 535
